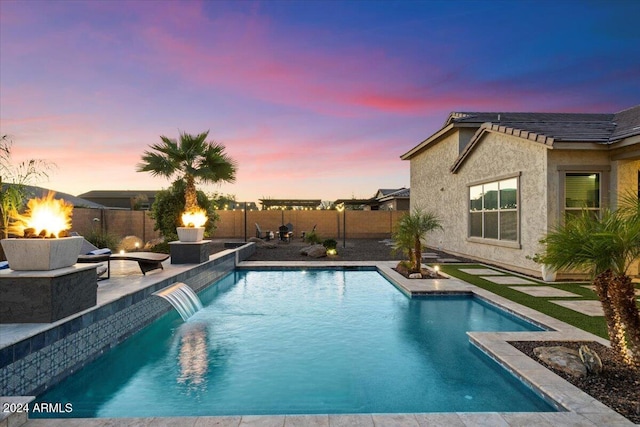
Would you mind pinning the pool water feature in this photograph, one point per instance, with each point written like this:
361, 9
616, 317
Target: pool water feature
304, 342
182, 298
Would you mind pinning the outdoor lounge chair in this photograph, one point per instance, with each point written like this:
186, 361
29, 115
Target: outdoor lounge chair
261, 235
90, 254
147, 261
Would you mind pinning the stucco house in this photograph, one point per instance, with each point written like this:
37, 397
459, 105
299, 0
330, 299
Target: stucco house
501, 181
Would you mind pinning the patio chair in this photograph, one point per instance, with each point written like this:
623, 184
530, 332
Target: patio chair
261, 235
284, 233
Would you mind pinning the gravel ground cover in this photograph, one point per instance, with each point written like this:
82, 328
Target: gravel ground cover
618, 386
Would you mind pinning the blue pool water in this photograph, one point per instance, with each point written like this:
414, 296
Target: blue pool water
287, 342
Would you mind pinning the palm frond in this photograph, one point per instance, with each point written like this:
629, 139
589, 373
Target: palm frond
191, 156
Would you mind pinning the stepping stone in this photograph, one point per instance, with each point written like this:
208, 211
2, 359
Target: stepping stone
508, 280
593, 288
429, 255
544, 291
481, 271
590, 308
448, 260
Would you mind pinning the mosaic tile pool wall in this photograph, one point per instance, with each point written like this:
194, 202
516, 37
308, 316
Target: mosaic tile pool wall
30, 366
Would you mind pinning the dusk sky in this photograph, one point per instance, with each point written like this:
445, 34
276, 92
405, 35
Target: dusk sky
312, 99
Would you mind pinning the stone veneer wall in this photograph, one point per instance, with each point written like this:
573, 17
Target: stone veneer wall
34, 364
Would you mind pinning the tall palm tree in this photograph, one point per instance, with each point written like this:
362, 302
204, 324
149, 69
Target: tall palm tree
411, 229
605, 246
193, 159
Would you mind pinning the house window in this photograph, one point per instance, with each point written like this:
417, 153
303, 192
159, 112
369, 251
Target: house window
493, 210
582, 191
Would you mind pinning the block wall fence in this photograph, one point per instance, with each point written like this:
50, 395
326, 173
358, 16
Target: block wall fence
329, 223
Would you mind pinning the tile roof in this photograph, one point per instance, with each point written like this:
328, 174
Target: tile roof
99, 194
40, 192
564, 127
545, 128
402, 192
627, 123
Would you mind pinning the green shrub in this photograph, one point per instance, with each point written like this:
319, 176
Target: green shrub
102, 240
169, 205
162, 247
312, 237
330, 244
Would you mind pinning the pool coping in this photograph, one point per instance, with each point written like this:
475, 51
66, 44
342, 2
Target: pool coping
575, 406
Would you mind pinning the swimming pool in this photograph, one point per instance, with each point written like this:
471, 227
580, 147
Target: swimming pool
304, 342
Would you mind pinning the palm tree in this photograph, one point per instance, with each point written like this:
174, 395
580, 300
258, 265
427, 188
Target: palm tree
606, 246
411, 229
193, 158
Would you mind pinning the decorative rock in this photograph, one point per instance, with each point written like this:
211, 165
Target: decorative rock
152, 243
415, 276
317, 251
590, 359
562, 358
305, 250
314, 251
131, 243
263, 244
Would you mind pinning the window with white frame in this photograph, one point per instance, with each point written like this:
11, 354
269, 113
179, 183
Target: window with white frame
493, 210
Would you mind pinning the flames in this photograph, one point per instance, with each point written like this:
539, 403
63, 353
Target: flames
44, 217
194, 218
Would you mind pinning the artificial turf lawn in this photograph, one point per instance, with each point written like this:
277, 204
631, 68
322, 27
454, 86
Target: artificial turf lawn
596, 325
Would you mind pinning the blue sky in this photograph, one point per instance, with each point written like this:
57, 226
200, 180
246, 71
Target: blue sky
313, 99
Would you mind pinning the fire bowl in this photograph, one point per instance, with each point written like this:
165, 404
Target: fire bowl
42, 254
190, 234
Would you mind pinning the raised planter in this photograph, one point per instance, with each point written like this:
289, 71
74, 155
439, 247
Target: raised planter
42, 254
190, 234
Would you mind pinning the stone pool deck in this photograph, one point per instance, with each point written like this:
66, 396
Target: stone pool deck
576, 408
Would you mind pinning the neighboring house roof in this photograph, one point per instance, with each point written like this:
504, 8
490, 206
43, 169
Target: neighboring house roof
308, 203
545, 128
40, 192
385, 192
109, 194
402, 193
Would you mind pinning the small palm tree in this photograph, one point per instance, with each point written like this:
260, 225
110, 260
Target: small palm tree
606, 246
410, 232
193, 158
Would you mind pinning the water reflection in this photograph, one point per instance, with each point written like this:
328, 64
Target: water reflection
193, 356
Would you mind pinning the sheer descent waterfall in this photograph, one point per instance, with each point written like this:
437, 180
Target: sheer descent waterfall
182, 297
